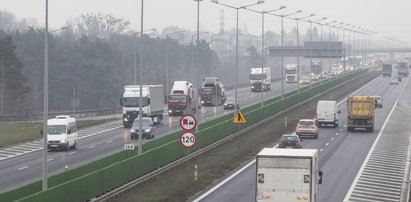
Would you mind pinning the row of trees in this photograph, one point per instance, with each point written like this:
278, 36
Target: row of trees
96, 64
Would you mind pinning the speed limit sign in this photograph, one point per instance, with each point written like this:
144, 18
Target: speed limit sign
188, 139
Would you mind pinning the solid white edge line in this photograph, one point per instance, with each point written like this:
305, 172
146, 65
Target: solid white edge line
253, 161
22, 168
223, 182
357, 178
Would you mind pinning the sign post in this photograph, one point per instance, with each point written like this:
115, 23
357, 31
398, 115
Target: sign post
188, 139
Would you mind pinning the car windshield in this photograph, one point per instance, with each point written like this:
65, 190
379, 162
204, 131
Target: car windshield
306, 123
207, 91
134, 102
56, 129
290, 138
144, 123
377, 98
256, 76
174, 99
230, 99
291, 71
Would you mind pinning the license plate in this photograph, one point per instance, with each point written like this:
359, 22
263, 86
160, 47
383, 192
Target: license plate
53, 145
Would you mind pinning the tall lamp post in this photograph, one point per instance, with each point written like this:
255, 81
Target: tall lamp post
311, 40
282, 46
45, 101
167, 69
263, 47
298, 54
236, 46
140, 102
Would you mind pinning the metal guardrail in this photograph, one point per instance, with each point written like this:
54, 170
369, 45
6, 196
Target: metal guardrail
85, 113
113, 193
79, 114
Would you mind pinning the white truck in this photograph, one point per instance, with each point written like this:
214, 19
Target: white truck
291, 73
152, 103
287, 175
181, 99
260, 74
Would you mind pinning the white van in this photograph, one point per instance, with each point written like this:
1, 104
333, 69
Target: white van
327, 113
62, 133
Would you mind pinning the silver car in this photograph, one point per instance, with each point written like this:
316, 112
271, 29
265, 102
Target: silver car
378, 101
307, 127
394, 80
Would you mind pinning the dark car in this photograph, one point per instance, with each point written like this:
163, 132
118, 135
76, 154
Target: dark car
147, 126
229, 103
290, 140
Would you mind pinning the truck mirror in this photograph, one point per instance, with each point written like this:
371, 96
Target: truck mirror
148, 101
320, 178
121, 101
69, 132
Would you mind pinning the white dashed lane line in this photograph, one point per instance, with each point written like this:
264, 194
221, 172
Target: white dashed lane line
71, 153
327, 144
341, 129
22, 168
50, 159
321, 149
109, 141
92, 146
332, 139
337, 134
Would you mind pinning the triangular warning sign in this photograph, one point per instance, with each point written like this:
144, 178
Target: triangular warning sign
239, 118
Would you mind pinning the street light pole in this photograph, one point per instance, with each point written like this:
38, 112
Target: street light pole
236, 46
263, 55
45, 101
140, 103
298, 54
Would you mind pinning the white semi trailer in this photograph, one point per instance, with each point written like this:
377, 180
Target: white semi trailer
287, 175
260, 79
152, 103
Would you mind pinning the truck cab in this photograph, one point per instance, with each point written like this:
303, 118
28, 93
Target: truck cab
181, 99
260, 79
291, 73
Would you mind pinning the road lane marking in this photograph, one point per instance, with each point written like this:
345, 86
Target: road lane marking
50, 159
332, 139
109, 141
357, 178
223, 182
92, 146
341, 129
327, 144
71, 153
345, 126
358, 90
22, 168
321, 149
336, 134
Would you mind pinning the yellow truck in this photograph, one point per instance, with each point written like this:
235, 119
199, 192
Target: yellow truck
360, 112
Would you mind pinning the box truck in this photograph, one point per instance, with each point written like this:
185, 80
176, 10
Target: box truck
152, 103
287, 175
260, 79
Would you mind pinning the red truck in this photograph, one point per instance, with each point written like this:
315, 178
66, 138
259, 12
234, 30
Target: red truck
212, 92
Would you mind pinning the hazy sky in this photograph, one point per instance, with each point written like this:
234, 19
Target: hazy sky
388, 18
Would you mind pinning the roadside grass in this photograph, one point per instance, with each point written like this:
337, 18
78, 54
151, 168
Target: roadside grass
17, 132
179, 185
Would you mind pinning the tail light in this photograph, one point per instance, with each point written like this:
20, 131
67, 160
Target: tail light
370, 121
298, 126
335, 116
298, 143
281, 142
313, 127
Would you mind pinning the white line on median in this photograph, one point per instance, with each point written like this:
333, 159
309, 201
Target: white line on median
109, 141
71, 153
50, 159
357, 178
223, 182
92, 146
327, 144
22, 168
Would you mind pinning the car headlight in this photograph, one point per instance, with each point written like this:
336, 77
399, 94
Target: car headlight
225, 104
252, 86
202, 102
63, 141
147, 130
132, 130
170, 111
125, 119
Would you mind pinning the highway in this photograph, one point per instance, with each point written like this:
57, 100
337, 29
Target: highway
22, 164
341, 153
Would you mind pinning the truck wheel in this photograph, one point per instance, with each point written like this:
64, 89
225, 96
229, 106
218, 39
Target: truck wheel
74, 145
67, 147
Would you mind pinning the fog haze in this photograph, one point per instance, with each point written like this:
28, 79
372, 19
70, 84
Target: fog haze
388, 18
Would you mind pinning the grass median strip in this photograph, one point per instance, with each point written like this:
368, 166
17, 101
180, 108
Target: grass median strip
17, 132
179, 185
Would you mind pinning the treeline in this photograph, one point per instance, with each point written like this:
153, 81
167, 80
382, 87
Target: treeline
96, 67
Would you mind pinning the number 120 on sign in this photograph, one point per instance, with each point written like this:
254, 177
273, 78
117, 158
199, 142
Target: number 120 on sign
188, 139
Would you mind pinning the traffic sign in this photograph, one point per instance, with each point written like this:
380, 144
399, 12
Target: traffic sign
129, 146
188, 139
188, 122
239, 118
